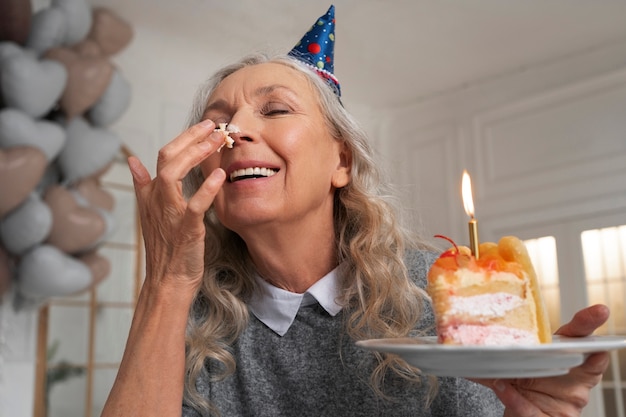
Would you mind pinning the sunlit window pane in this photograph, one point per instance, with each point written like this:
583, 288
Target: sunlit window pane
592, 254
604, 253
542, 252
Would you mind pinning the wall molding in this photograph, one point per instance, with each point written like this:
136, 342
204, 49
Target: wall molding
471, 128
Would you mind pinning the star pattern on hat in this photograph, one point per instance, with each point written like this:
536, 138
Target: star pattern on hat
317, 46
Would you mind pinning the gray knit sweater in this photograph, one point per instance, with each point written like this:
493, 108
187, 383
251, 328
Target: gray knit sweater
303, 374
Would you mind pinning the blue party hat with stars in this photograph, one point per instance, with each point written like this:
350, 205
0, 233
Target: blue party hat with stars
316, 49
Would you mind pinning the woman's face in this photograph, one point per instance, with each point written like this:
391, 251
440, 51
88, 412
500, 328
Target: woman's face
284, 143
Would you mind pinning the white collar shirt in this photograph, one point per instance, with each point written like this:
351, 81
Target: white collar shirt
277, 308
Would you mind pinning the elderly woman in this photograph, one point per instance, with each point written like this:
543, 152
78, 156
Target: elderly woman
267, 261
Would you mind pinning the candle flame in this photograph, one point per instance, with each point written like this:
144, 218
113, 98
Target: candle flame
466, 190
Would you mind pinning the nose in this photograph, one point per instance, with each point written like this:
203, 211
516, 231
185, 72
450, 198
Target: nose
244, 128
240, 137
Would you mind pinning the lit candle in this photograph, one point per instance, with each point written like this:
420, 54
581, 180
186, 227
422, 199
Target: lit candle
468, 204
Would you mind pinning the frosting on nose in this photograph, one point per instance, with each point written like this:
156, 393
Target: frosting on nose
233, 128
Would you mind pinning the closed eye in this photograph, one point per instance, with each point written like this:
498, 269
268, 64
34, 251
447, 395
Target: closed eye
276, 112
275, 109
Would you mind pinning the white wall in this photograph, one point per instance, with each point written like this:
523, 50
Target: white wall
546, 141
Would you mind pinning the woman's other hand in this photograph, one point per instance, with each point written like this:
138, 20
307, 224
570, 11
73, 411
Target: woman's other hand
564, 395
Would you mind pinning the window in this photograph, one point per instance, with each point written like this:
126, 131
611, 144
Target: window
542, 252
604, 255
581, 261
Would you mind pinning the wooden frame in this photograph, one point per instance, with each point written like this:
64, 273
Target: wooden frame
93, 305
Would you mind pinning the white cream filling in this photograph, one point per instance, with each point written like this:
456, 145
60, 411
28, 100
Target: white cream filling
256, 171
489, 305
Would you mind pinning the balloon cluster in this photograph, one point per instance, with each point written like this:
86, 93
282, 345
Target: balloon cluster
59, 93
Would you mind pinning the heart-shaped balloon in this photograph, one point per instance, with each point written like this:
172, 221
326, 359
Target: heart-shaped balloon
51, 176
88, 48
87, 150
78, 17
88, 77
113, 102
46, 272
110, 31
75, 229
15, 20
19, 129
7, 49
6, 273
99, 173
21, 169
99, 266
26, 226
31, 85
47, 30
107, 216
93, 194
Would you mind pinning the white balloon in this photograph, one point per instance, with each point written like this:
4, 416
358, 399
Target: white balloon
45, 271
31, 85
47, 30
78, 18
19, 129
26, 226
87, 150
8, 49
113, 102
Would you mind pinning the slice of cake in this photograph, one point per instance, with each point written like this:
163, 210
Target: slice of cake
492, 300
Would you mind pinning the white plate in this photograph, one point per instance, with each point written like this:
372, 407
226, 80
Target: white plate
548, 359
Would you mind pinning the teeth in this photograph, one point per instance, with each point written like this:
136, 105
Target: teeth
256, 171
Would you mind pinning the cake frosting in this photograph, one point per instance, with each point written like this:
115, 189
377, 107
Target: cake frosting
226, 129
485, 305
492, 300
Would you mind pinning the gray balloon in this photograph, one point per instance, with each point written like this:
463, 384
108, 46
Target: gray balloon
47, 30
7, 49
51, 176
46, 271
19, 129
113, 102
87, 150
78, 19
31, 85
26, 226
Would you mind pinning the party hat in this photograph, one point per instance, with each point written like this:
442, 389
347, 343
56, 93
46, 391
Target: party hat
316, 49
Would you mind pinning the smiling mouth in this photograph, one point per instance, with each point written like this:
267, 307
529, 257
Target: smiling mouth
248, 173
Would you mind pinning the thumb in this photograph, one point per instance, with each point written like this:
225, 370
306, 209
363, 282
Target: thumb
140, 174
585, 321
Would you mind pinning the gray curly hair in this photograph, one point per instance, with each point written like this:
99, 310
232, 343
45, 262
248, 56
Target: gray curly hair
380, 299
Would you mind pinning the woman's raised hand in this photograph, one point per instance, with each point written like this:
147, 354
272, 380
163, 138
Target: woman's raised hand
172, 226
